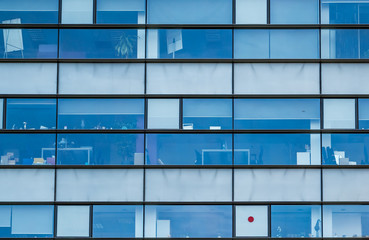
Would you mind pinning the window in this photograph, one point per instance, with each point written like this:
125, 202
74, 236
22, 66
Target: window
277, 113
277, 149
363, 113
189, 43
77, 12
31, 114
252, 221
294, 12
120, 12
251, 11
344, 12
188, 221
101, 114
213, 114
190, 12
163, 114
25, 11
73, 221
339, 113
189, 149
102, 43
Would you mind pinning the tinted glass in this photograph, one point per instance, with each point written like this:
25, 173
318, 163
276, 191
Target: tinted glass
294, 12
345, 12
189, 149
120, 11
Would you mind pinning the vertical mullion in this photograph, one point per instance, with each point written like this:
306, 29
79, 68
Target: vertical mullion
94, 9
4, 112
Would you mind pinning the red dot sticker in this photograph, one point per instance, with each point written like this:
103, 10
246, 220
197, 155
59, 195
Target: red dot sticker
251, 219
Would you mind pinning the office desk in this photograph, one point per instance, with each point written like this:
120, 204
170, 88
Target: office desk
87, 149
204, 151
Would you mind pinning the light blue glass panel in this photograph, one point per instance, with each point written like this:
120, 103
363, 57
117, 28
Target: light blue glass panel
212, 114
190, 11
102, 43
30, 114
189, 149
120, 11
27, 149
345, 12
297, 221
26, 221
277, 149
277, 43
28, 43
345, 149
294, 12
189, 43
363, 113
345, 43
188, 221
342, 221
25, 11
100, 149
277, 113
113, 221
101, 114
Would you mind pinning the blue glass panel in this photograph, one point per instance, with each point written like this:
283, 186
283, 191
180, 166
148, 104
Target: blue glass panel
277, 113
190, 11
100, 149
207, 114
101, 114
189, 149
27, 149
114, 221
26, 11
189, 43
30, 114
277, 149
277, 43
345, 43
296, 221
188, 221
101, 43
28, 43
294, 12
26, 221
345, 149
363, 113
120, 11
343, 221
345, 12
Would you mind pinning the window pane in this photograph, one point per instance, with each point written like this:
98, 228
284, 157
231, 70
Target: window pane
252, 221
189, 78
102, 43
189, 149
74, 12
190, 11
339, 113
345, 43
277, 185
99, 185
100, 149
101, 114
294, 12
276, 43
251, 11
346, 221
345, 12
120, 11
214, 114
188, 221
296, 221
345, 149
101, 78
189, 43
28, 43
277, 149
73, 221
123, 221
277, 113
27, 185
364, 113
183, 185
163, 114
30, 114
276, 78
22, 221
27, 149
25, 11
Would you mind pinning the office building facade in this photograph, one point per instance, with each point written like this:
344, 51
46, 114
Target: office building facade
184, 119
